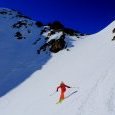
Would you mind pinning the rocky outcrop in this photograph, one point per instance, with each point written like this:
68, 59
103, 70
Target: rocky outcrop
39, 24
54, 45
113, 38
57, 26
113, 34
19, 24
51, 37
18, 35
114, 30
57, 45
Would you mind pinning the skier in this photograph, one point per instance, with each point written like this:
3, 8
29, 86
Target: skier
63, 90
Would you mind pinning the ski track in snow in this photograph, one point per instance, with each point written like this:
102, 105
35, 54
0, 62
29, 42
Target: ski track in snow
111, 99
95, 87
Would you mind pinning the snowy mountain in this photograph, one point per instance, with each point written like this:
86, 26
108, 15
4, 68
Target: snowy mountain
27, 45
88, 67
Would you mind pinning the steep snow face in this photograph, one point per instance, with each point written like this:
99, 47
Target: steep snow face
89, 66
21, 41
17, 51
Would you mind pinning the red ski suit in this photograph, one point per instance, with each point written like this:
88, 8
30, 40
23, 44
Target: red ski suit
63, 89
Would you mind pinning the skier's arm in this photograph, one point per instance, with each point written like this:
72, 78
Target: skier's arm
67, 86
58, 88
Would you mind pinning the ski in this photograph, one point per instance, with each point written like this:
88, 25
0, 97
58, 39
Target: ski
71, 94
59, 102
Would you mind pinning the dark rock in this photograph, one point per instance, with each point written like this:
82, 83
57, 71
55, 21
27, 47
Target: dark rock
54, 45
57, 45
19, 35
39, 24
51, 33
56, 25
69, 31
46, 38
43, 48
19, 24
113, 38
68, 49
42, 31
81, 34
114, 30
45, 29
3, 12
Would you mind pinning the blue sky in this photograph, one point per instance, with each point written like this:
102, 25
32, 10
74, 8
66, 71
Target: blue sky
88, 16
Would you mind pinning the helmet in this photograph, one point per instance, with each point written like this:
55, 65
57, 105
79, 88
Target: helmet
61, 82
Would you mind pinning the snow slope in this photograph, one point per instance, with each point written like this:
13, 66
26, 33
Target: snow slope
89, 66
20, 40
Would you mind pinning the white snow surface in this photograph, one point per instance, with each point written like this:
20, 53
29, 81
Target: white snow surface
89, 67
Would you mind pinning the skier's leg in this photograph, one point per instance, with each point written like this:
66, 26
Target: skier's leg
61, 97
